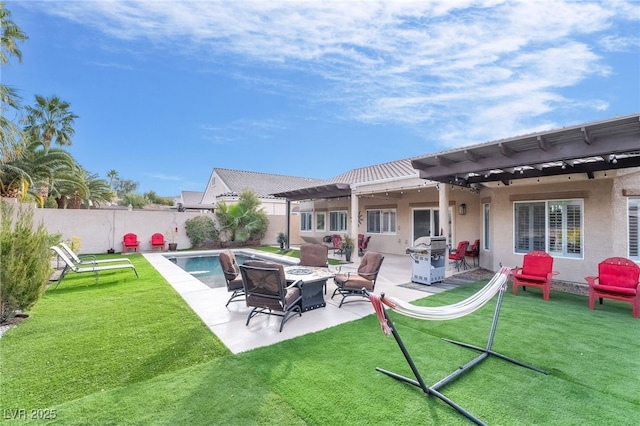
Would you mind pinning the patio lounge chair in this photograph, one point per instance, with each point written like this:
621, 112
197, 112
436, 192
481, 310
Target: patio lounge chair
536, 271
232, 276
157, 241
360, 282
95, 267
90, 259
267, 292
618, 279
130, 242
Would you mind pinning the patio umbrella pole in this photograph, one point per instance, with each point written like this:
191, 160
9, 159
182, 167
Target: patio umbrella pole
433, 390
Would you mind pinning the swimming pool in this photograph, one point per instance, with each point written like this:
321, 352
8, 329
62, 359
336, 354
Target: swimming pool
207, 269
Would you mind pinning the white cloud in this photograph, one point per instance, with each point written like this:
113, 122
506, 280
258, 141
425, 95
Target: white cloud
482, 65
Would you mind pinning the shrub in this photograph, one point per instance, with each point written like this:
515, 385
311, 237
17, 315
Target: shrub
26, 261
201, 230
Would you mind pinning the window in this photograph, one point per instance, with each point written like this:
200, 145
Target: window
551, 226
320, 221
486, 229
306, 219
633, 210
426, 222
338, 221
382, 221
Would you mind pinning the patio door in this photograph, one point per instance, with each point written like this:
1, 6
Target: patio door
426, 223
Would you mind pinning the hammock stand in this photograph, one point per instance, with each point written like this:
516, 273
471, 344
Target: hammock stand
484, 354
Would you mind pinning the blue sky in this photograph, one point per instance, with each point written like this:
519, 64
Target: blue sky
166, 91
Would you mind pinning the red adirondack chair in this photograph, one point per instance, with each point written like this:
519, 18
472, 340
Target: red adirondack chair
618, 279
536, 271
130, 242
157, 241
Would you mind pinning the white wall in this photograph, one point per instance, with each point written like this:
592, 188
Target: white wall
100, 230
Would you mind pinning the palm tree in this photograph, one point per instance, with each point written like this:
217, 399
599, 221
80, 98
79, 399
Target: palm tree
50, 121
244, 220
10, 36
93, 191
112, 175
35, 169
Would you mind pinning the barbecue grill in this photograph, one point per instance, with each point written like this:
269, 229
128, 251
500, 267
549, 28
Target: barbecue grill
428, 259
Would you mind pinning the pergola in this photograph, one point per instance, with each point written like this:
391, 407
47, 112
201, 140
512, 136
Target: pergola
599, 146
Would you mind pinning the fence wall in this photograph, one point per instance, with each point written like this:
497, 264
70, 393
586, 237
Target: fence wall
99, 230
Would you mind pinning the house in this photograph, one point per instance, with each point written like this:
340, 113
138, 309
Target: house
227, 185
573, 192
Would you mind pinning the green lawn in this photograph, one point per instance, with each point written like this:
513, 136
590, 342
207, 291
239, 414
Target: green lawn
130, 351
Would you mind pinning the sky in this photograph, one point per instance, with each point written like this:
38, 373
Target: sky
165, 91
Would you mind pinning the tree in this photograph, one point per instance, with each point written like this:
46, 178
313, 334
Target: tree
124, 186
156, 199
10, 37
136, 201
86, 187
50, 121
35, 169
244, 220
113, 176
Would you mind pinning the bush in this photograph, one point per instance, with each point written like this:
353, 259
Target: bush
26, 261
201, 230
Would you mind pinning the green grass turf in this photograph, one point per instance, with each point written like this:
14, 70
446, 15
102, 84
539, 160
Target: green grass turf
129, 351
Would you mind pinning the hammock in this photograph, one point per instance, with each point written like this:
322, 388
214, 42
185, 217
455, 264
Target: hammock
440, 313
497, 285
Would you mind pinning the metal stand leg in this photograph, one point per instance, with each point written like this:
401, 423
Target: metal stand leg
433, 390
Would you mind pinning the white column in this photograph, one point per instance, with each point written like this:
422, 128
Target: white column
443, 205
354, 217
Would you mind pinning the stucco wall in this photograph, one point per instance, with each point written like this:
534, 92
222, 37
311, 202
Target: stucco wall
605, 222
100, 230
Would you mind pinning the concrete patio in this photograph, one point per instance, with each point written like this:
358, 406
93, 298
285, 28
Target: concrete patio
228, 323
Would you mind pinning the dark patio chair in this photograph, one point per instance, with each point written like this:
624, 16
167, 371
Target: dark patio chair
354, 283
315, 255
267, 292
231, 272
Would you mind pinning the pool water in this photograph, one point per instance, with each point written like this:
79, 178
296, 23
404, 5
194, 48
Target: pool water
207, 268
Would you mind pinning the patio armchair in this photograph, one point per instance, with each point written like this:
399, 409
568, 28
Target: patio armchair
266, 290
536, 271
157, 241
89, 259
363, 243
618, 279
457, 256
231, 272
314, 255
352, 284
94, 267
474, 253
336, 240
130, 242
